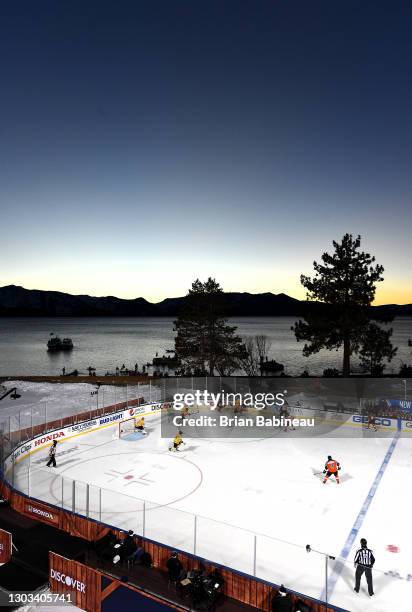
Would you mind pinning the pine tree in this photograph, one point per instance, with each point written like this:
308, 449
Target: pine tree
204, 342
375, 347
345, 283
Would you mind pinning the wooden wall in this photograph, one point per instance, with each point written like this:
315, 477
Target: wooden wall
86, 593
5, 546
66, 521
249, 591
243, 588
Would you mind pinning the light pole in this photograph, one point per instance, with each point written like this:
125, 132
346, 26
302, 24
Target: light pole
404, 383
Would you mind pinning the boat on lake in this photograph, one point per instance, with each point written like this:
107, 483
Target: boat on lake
57, 344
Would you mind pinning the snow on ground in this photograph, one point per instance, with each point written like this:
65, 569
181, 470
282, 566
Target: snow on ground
55, 400
242, 488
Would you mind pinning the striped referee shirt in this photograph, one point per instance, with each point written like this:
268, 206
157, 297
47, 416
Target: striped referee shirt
364, 557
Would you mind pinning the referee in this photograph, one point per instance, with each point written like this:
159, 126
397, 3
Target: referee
364, 561
52, 455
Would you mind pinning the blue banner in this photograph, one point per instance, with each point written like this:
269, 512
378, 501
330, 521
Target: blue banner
404, 405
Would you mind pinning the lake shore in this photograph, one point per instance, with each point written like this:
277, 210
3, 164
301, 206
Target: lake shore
103, 380
108, 344
135, 380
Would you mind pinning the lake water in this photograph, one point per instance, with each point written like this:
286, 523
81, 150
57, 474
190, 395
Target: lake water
105, 343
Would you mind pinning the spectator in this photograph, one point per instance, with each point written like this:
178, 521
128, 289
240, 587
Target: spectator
174, 568
212, 588
128, 547
105, 546
144, 559
139, 556
132, 553
282, 601
217, 578
129, 537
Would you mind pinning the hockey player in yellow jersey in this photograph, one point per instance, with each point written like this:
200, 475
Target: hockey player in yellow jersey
177, 441
139, 425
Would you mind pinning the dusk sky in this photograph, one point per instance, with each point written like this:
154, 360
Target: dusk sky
144, 144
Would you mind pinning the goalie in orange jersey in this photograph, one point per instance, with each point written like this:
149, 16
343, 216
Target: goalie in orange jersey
332, 468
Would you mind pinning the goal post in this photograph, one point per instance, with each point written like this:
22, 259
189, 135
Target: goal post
126, 427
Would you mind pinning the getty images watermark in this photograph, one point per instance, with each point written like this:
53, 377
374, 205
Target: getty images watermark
244, 408
259, 401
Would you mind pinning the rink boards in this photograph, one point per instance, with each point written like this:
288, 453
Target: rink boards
82, 428
216, 531
353, 422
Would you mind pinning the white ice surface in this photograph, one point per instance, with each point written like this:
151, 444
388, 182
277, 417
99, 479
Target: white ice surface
240, 487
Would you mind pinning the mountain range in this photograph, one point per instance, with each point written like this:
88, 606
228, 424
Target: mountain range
17, 302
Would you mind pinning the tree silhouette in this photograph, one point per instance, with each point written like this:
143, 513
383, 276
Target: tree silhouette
205, 343
375, 347
345, 283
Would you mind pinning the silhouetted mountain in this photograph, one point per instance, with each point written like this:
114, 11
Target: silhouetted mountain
244, 304
17, 301
394, 310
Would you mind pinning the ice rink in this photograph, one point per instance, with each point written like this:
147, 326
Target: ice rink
257, 503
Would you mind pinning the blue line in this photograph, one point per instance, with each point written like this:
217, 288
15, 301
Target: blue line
359, 520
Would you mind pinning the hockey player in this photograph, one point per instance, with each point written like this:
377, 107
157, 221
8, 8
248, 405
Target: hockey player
139, 425
284, 412
332, 468
372, 423
237, 407
177, 441
169, 411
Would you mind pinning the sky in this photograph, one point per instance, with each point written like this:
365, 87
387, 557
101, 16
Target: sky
145, 144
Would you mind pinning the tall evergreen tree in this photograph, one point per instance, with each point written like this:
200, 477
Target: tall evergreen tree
345, 283
375, 348
204, 342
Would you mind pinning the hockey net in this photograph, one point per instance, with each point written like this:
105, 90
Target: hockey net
126, 427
